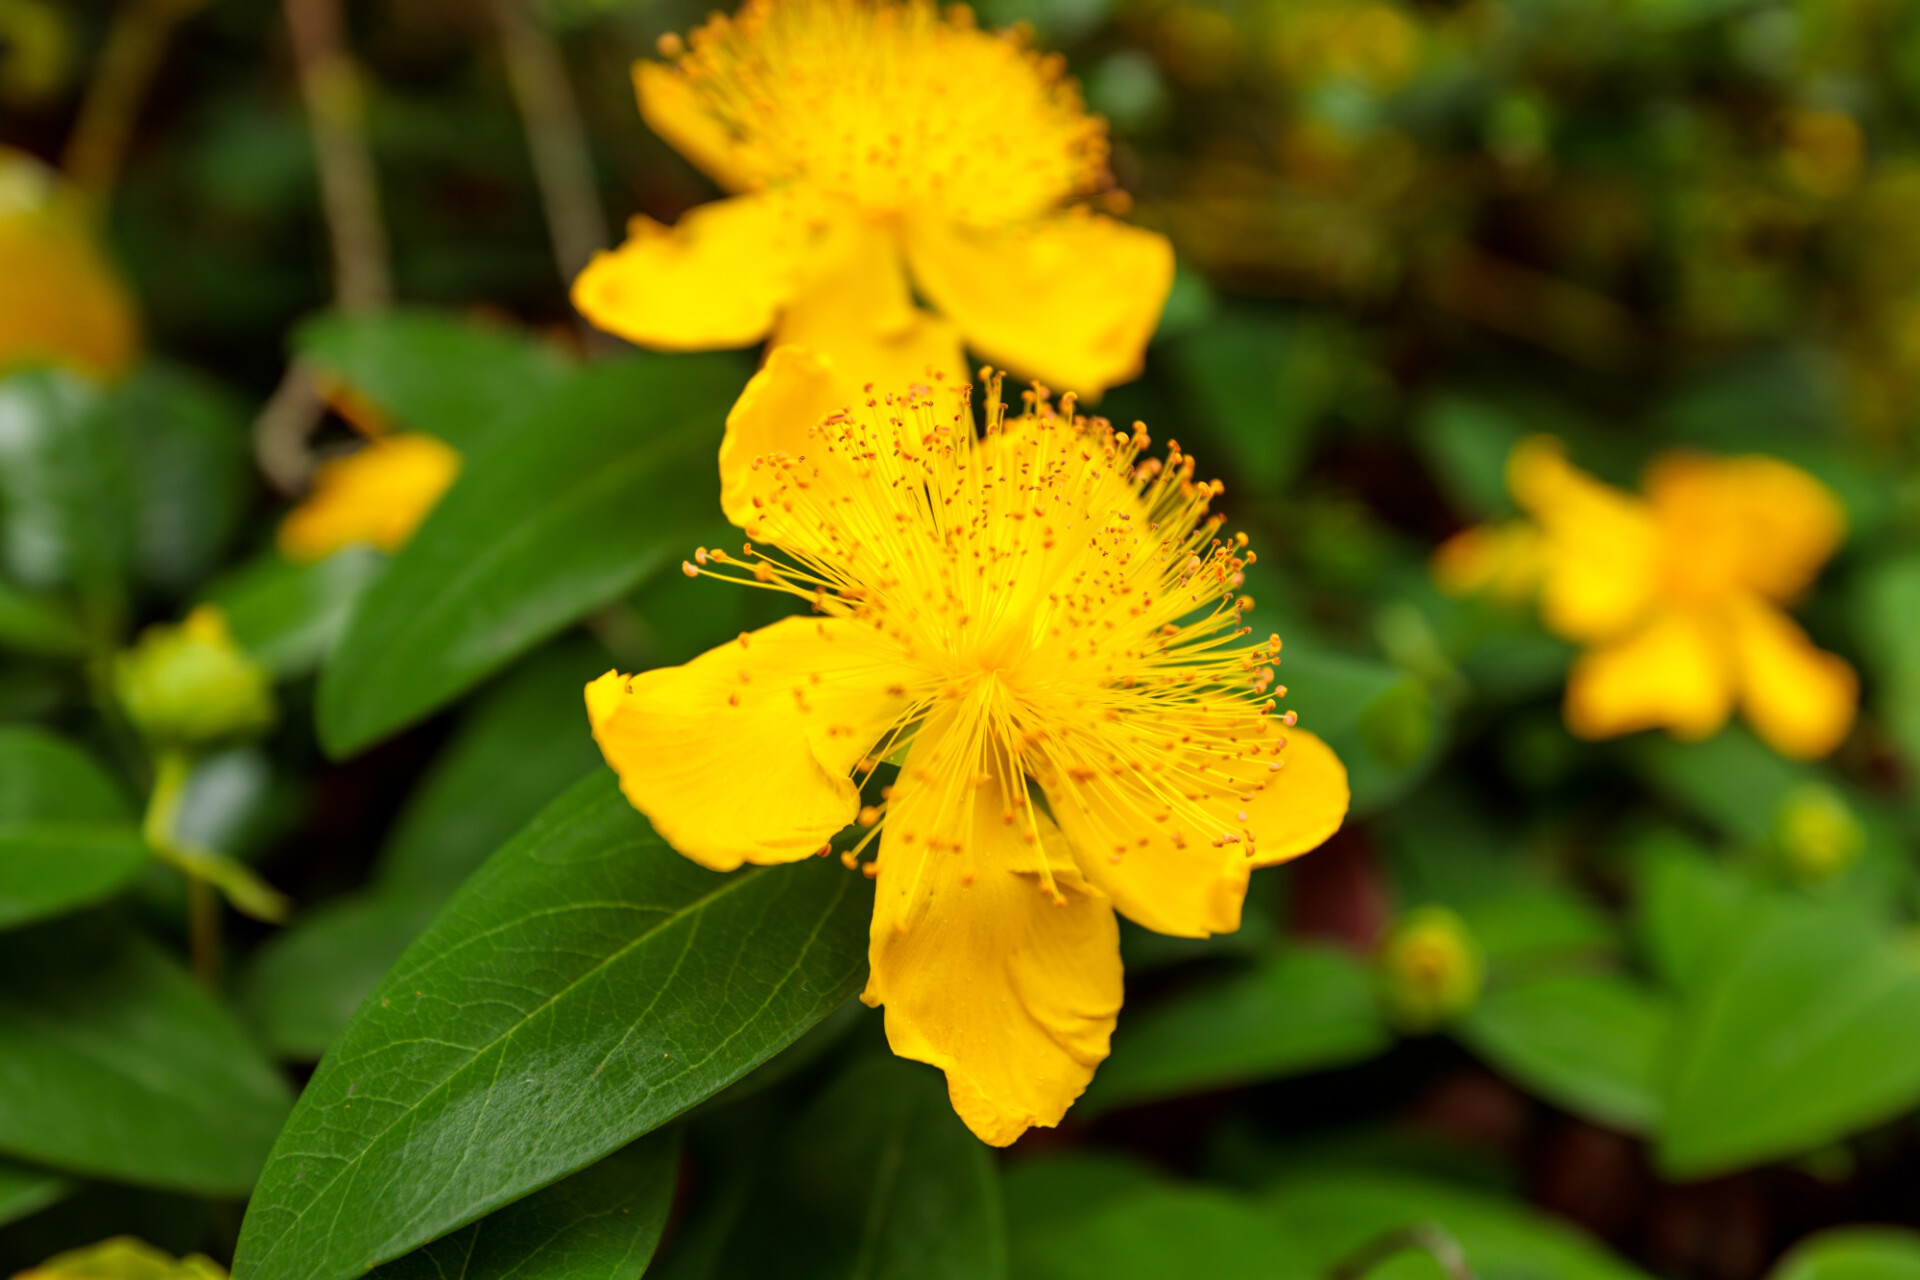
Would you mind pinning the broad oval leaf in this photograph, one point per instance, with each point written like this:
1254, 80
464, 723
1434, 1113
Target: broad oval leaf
1807, 1030
114, 1064
1593, 1043
1854, 1253
602, 1223
44, 778
1302, 1010
289, 616
586, 986
562, 510
24, 1190
50, 867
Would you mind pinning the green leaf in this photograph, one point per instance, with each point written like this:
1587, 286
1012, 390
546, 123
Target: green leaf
64, 505
117, 1066
1079, 1218
585, 987
47, 868
185, 442
24, 1190
1592, 1043
564, 510
1853, 1253
432, 371
46, 779
1808, 1030
602, 1223
1886, 599
1466, 442
288, 616
1689, 907
1531, 923
877, 1178
1331, 1215
523, 744
1302, 1010
1379, 719
36, 624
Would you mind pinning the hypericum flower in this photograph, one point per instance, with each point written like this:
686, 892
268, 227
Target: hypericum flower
1677, 594
190, 685
378, 494
61, 302
870, 137
1040, 625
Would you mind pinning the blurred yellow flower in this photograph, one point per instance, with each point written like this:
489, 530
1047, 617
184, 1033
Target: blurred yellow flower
1676, 594
62, 302
378, 494
190, 685
1430, 969
124, 1258
870, 137
1040, 626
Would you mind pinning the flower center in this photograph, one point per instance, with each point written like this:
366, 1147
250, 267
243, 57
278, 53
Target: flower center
894, 107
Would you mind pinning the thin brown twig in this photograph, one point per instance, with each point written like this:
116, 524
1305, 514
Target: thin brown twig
136, 42
1428, 1237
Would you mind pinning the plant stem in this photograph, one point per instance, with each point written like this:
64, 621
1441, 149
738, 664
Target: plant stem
171, 769
135, 44
331, 86
1428, 1237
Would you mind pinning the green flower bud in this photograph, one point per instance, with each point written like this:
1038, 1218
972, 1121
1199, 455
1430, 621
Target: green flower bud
1816, 833
190, 686
1430, 970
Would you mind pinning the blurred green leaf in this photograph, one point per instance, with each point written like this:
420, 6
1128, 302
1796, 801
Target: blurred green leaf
523, 744
65, 509
1886, 606
1264, 386
188, 463
118, 1066
1689, 907
1807, 1030
1084, 1218
66, 836
1380, 720
1466, 442
33, 623
432, 371
1304, 1009
877, 1178
1331, 1216
565, 509
287, 616
602, 1223
1594, 1043
1535, 922
24, 1191
43, 778
1853, 1253
584, 988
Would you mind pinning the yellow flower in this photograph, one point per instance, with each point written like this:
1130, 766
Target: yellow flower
1677, 594
124, 1258
1040, 626
870, 137
62, 303
378, 494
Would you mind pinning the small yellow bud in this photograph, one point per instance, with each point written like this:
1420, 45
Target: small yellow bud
1430, 970
1816, 833
191, 686
124, 1258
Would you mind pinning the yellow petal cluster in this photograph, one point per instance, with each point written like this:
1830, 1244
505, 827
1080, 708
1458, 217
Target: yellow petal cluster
1040, 626
1677, 593
61, 302
376, 495
879, 147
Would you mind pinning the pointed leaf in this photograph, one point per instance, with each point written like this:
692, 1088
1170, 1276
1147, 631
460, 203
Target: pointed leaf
585, 987
24, 1190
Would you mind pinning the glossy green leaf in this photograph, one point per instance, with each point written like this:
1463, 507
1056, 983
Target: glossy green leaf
1331, 1215
44, 778
602, 1223
289, 616
523, 744
1082, 1218
1304, 1009
64, 492
24, 1190
877, 1178
1854, 1253
187, 457
114, 1064
1593, 1043
1807, 1030
586, 986
431, 371
564, 510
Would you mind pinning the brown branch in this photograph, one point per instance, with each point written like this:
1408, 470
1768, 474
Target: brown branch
135, 45
336, 117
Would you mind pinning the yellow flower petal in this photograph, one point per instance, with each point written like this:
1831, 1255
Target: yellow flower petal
62, 303
673, 110
1505, 561
1800, 699
1673, 673
857, 310
717, 279
1188, 887
1751, 521
781, 406
1071, 300
378, 494
743, 754
1602, 555
984, 973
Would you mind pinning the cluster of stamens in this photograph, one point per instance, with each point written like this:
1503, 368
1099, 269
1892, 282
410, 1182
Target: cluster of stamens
1055, 611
